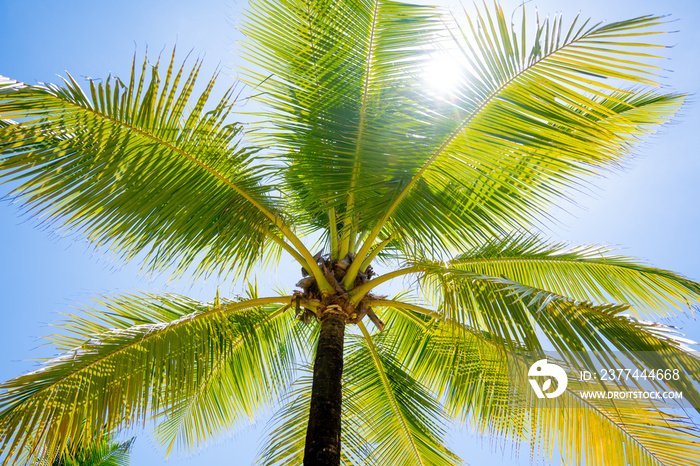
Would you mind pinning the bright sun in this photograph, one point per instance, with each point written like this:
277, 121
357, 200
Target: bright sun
444, 73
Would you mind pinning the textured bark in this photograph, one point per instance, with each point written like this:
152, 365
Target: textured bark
323, 433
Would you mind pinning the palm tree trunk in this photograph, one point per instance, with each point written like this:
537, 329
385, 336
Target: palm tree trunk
323, 433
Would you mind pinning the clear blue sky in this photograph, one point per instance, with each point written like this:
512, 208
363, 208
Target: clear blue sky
651, 210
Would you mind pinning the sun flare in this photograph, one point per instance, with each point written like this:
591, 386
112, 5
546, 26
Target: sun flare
444, 73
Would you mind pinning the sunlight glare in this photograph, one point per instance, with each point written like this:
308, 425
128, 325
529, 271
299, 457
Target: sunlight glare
444, 73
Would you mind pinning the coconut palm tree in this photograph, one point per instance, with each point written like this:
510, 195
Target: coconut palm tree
361, 174
104, 452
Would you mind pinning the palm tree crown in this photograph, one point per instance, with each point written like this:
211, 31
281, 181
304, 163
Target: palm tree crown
361, 173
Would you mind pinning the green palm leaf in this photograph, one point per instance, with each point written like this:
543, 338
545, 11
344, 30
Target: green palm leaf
638, 433
101, 453
129, 165
339, 78
585, 273
526, 317
485, 384
150, 354
403, 422
534, 116
465, 368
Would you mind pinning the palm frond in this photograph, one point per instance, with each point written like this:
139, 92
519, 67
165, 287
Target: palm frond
523, 316
485, 385
634, 432
102, 453
151, 355
233, 390
535, 116
402, 420
465, 368
585, 273
135, 169
340, 80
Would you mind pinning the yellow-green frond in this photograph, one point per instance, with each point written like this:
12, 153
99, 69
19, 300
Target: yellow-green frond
147, 356
142, 166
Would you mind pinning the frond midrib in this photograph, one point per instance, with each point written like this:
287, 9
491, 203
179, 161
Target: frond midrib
619, 426
388, 390
474, 114
649, 273
172, 147
578, 262
363, 109
177, 323
215, 370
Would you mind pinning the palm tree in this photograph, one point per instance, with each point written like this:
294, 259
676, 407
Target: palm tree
386, 179
104, 452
